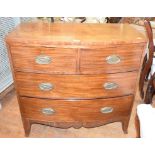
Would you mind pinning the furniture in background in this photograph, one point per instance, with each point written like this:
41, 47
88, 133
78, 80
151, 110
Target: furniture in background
73, 19
145, 117
136, 20
113, 19
150, 91
75, 75
146, 67
130, 20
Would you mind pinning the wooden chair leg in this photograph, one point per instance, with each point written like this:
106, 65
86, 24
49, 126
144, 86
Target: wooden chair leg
143, 77
137, 126
150, 91
147, 75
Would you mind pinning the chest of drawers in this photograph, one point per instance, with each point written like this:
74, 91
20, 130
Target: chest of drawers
75, 75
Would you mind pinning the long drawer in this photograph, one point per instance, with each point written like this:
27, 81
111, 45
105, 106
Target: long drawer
44, 60
104, 110
75, 86
110, 60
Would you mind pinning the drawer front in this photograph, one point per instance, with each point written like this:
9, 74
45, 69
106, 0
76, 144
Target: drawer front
75, 86
110, 60
77, 110
44, 60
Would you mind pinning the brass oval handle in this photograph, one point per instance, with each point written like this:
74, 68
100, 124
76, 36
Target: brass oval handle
43, 59
113, 59
106, 110
110, 85
46, 86
48, 111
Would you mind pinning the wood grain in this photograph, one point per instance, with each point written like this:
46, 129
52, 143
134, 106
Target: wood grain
74, 35
63, 61
75, 86
13, 128
148, 59
94, 61
76, 111
77, 72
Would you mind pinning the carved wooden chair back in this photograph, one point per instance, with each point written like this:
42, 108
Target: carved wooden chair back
146, 68
147, 63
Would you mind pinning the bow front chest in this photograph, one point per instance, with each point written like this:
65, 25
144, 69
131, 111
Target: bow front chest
75, 75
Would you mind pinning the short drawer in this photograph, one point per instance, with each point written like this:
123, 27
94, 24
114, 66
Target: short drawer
75, 86
110, 60
104, 110
44, 60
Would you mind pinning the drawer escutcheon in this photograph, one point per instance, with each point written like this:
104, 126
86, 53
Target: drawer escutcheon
113, 59
106, 110
46, 86
43, 59
48, 111
110, 85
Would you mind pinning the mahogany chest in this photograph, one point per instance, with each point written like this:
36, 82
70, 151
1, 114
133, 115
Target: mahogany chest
75, 75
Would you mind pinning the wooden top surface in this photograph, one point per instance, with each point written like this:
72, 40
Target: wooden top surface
73, 34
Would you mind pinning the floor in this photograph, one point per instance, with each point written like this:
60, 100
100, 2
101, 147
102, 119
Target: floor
11, 125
